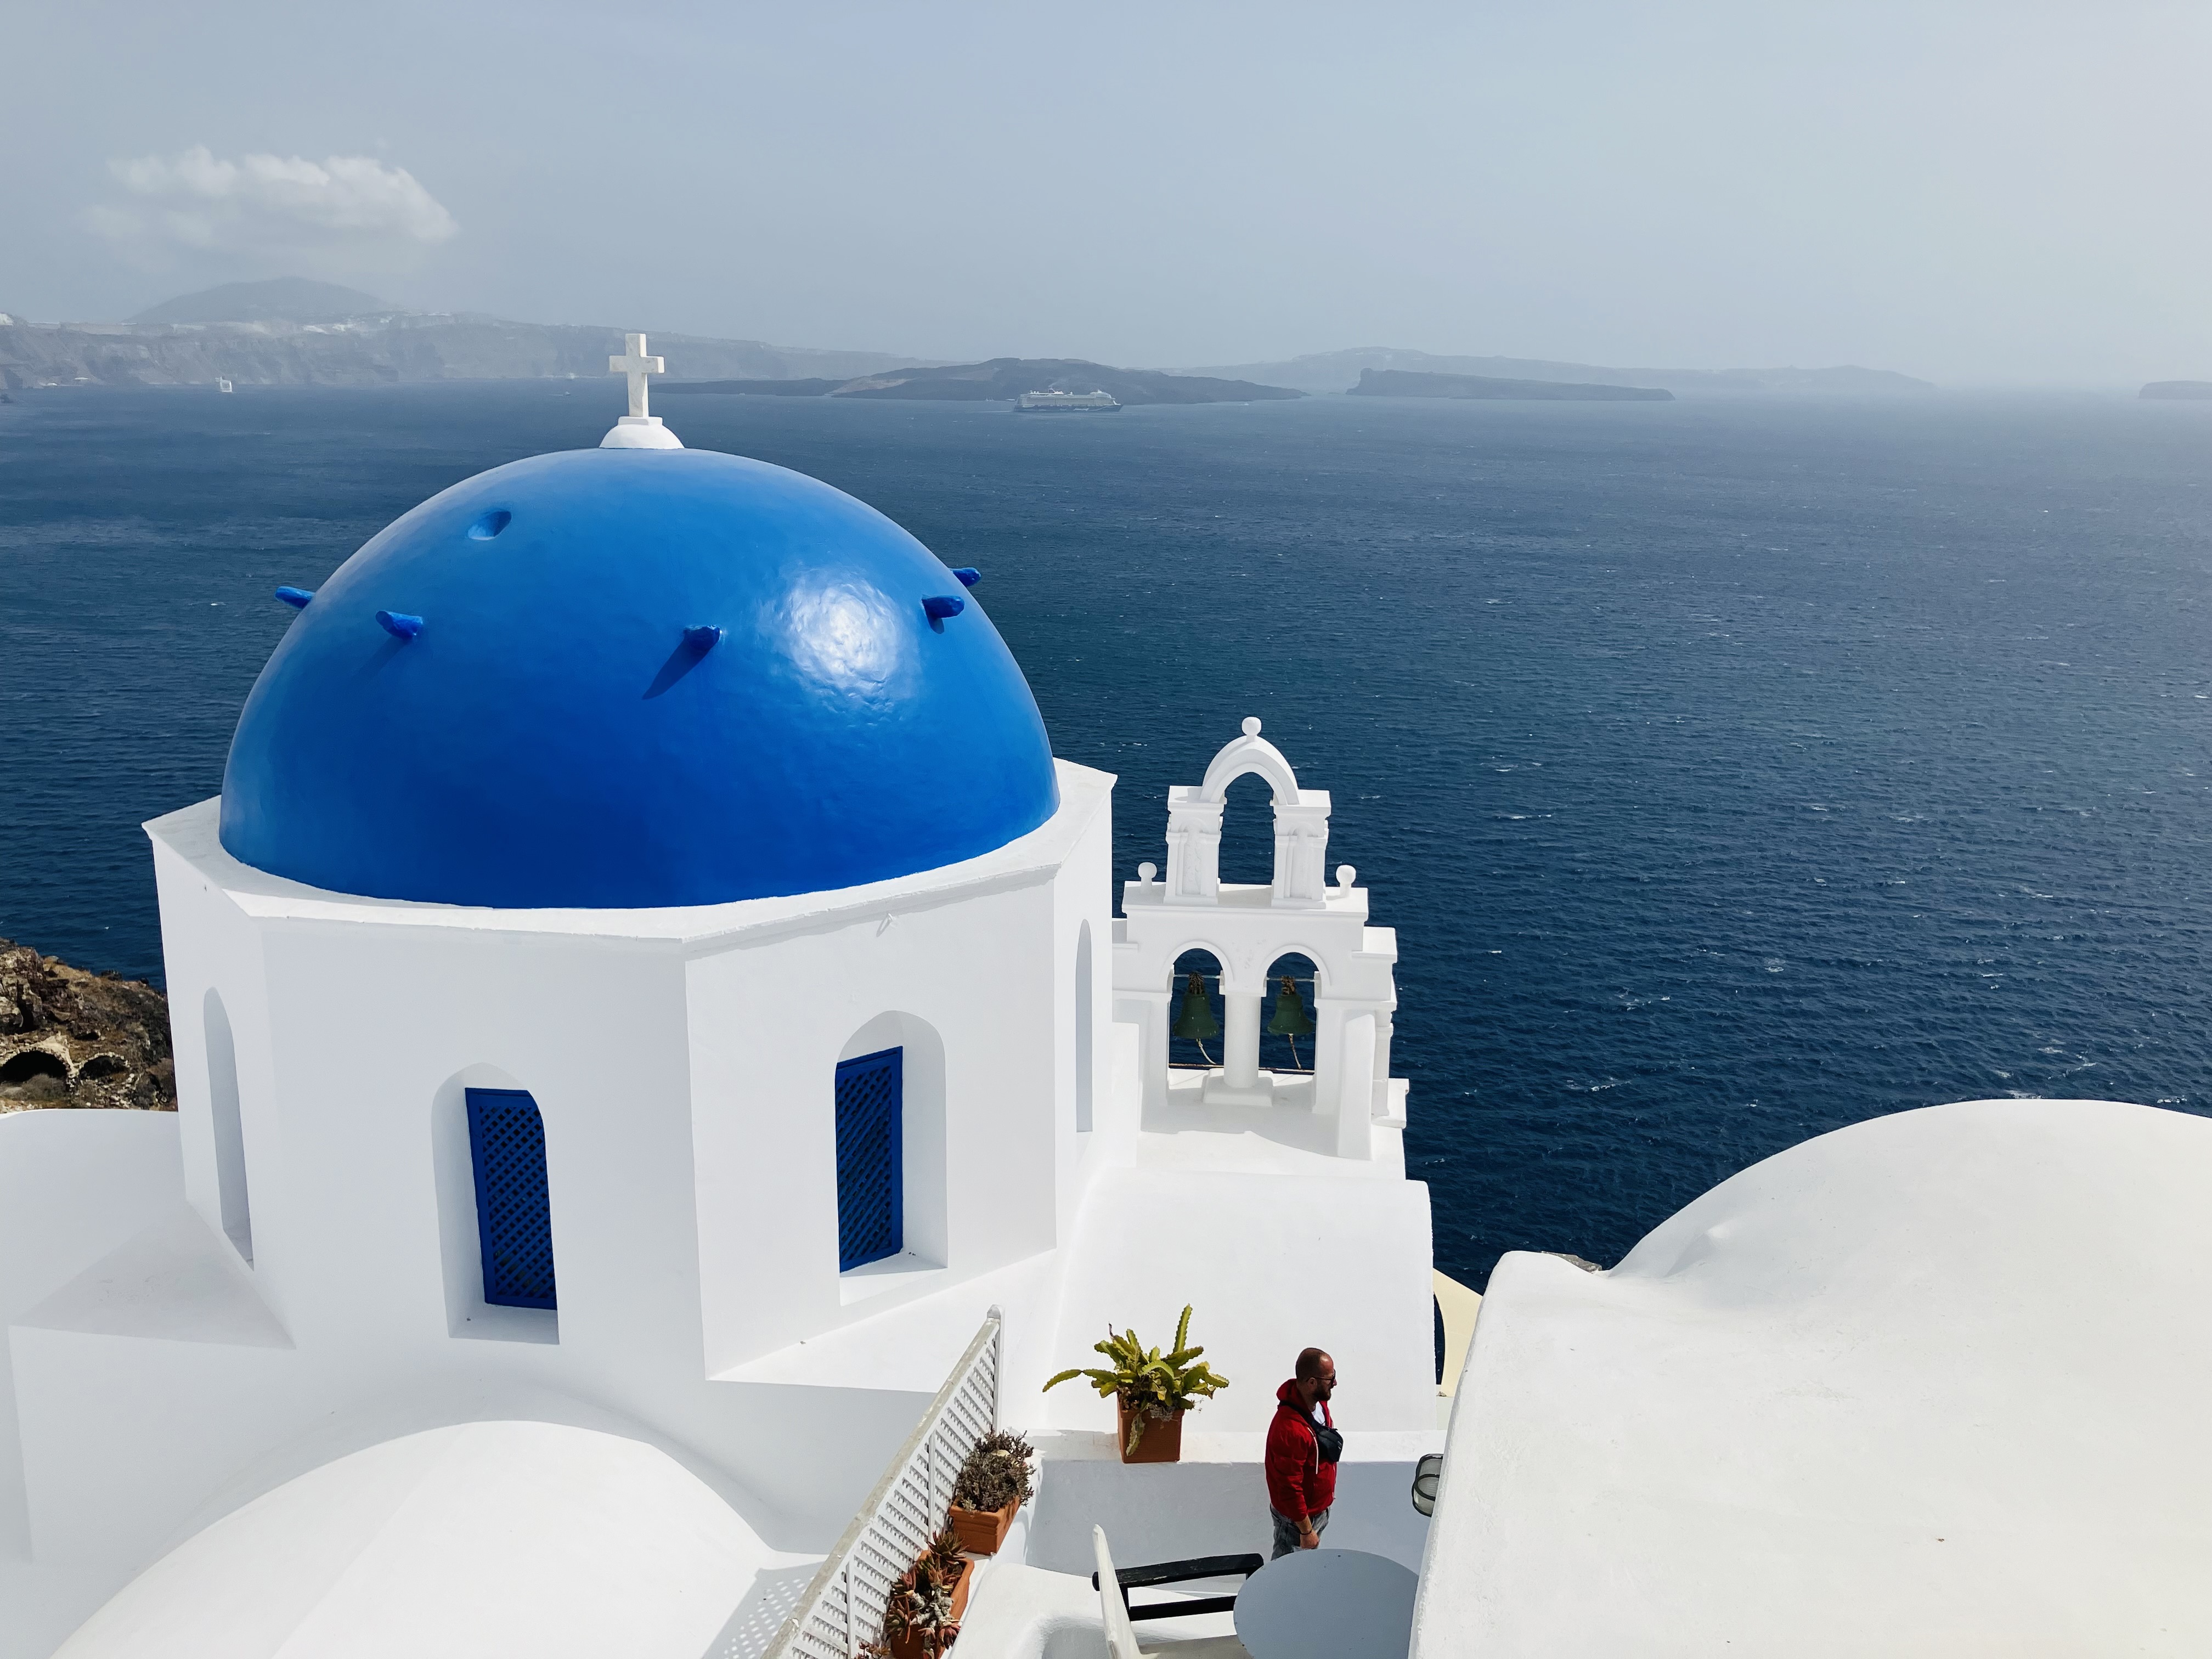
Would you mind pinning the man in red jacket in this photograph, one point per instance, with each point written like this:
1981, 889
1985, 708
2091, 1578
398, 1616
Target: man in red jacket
1303, 1448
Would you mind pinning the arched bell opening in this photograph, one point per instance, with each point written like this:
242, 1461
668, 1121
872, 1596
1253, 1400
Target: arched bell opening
1248, 831
1194, 1013
1287, 1027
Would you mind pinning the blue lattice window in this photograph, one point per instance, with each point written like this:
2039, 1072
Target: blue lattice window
871, 1165
514, 1214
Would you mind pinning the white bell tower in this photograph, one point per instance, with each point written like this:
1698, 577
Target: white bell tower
1248, 928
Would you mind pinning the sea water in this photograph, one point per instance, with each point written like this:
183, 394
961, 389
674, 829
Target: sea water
1731, 771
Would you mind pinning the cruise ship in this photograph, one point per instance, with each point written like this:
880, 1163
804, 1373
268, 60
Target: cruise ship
1081, 402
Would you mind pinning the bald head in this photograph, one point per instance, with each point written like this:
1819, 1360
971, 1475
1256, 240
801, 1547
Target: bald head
1315, 1377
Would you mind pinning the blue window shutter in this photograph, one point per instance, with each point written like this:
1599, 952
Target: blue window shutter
514, 1213
870, 1163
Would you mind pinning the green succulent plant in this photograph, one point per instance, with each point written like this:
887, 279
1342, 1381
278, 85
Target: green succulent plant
1151, 1384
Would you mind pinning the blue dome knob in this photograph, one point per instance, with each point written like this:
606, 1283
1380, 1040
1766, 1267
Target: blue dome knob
666, 678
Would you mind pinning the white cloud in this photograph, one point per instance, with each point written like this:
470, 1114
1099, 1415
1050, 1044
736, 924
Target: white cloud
271, 202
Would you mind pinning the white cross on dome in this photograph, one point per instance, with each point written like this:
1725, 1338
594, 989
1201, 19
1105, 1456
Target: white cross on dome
637, 366
640, 428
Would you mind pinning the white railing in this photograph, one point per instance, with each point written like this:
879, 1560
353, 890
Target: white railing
844, 1605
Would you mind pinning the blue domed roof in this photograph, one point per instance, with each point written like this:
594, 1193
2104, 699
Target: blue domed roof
564, 727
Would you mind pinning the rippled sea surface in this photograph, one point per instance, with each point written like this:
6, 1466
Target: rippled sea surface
1730, 771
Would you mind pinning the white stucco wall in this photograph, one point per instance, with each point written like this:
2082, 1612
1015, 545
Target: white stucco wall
73, 1187
1214, 1501
769, 1023
681, 1061
1269, 1264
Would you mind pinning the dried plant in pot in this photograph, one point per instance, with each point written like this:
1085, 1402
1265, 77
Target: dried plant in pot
992, 1484
1150, 1390
922, 1615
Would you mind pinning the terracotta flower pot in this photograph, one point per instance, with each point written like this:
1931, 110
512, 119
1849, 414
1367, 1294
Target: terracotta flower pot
908, 1644
982, 1531
1162, 1442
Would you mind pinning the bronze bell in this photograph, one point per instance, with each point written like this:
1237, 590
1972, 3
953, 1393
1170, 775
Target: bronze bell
1289, 1021
1195, 1017
1290, 1018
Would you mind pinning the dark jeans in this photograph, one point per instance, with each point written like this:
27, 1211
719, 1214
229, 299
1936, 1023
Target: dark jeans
1286, 1531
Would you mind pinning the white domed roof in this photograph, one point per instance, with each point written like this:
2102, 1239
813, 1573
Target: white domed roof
456, 1543
1930, 1385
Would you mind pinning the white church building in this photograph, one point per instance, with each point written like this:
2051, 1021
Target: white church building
659, 1068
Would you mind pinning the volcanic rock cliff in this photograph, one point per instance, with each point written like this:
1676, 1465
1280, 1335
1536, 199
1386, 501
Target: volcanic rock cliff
71, 1038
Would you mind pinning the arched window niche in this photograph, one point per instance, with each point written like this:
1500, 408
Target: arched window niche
227, 1124
1086, 1018
909, 1049
490, 1145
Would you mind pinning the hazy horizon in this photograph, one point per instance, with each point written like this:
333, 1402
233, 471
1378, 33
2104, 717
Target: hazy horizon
1977, 194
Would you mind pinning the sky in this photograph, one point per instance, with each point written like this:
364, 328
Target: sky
1980, 194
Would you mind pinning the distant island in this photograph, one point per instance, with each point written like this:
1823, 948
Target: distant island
801, 388
1006, 378
291, 332
1335, 371
1404, 383
2180, 391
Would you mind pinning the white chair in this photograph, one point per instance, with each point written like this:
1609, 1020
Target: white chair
1121, 1634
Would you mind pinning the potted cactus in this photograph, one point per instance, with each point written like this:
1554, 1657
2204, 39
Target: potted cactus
1150, 1390
990, 1489
922, 1615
